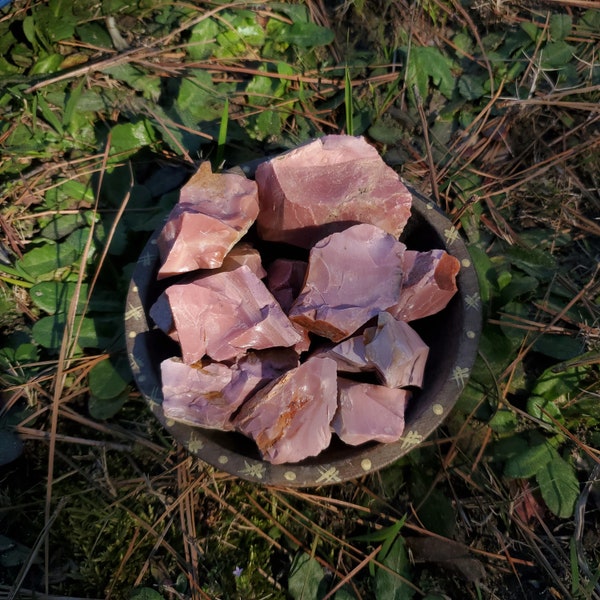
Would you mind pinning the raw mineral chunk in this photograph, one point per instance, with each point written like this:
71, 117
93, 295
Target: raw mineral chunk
160, 313
225, 314
368, 412
206, 394
215, 210
197, 394
285, 278
244, 254
429, 284
396, 351
352, 276
349, 355
325, 186
289, 418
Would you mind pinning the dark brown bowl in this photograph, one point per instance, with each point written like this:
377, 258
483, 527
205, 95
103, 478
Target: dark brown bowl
452, 336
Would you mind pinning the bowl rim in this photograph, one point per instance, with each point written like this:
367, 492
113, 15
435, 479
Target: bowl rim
343, 466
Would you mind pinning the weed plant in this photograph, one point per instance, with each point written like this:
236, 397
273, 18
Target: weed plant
490, 108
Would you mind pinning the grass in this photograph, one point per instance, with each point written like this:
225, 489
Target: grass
492, 110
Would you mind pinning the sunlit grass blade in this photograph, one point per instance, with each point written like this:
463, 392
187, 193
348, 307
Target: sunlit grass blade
348, 102
222, 134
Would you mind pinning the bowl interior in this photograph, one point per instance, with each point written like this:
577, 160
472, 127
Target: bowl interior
452, 336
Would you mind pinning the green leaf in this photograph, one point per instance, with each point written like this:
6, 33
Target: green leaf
94, 333
72, 102
63, 225
105, 408
554, 385
308, 35
28, 26
94, 34
47, 64
306, 575
386, 131
531, 29
145, 593
471, 87
261, 90
48, 115
55, 296
385, 534
137, 79
66, 194
201, 44
425, 63
557, 54
504, 421
12, 554
537, 263
543, 409
507, 448
559, 487
486, 273
519, 286
391, 586
199, 97
561, 347
128, 138
245, 27
437, 513
109, 378
530, 461
560, 26
46, 259
268, 123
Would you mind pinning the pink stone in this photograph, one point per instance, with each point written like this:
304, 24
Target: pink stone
225, 314
369, 413
160, 313
285, 278
396, 351
428, 286
196, 394
349, 355
214, 212
325, 186
206, 394
244, 254
289, 418
352, 276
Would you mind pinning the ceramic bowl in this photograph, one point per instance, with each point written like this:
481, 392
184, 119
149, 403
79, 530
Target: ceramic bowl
452, 336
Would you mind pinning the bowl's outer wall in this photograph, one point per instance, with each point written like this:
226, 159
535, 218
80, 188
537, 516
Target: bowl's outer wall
452, 335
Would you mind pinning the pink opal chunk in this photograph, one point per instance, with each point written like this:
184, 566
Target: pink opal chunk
325, 186
214, 212
244, 254
160, 313
429, 284
225, 314
352, 276
349, 355
206, 394
285, 278
289, 418
369, 413
197, 394
396, 351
